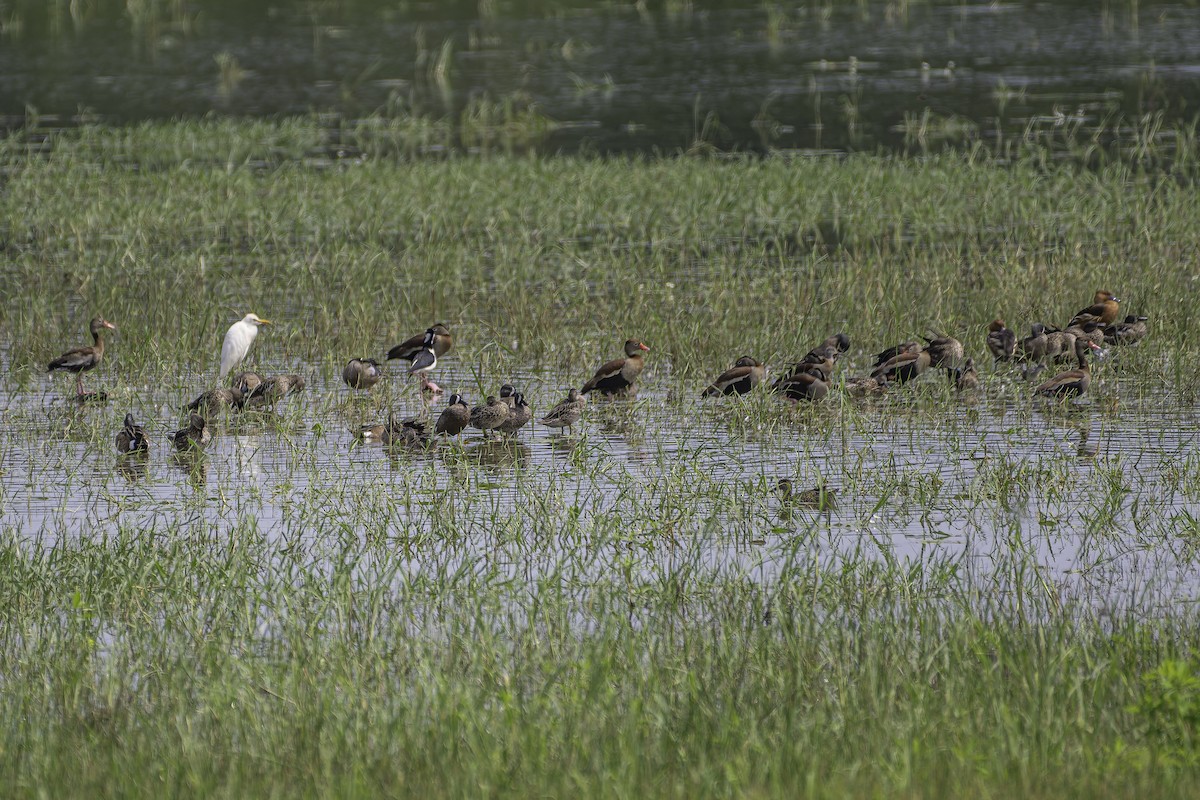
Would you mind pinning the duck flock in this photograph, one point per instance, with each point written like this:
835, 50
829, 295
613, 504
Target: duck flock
808, 379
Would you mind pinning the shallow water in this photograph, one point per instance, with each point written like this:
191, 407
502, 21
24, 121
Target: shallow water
1099, 509
850, 76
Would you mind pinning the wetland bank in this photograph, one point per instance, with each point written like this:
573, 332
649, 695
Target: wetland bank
1001, 601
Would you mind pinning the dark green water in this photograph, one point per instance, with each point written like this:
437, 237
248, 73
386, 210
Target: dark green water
621, 77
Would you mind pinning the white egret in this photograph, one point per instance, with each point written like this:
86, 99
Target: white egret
238, 339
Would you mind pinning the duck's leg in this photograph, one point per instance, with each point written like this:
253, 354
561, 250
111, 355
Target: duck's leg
79, 383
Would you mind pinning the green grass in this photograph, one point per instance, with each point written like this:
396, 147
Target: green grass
631, 613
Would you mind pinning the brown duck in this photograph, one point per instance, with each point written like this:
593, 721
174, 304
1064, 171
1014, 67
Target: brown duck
247, 381
1103, 309
274, 389
490, 415
132, 437
830, 349
454, 418
1060, 345
1131, 331
410, 433
1001, 341
744, 375
1074, 382
1033, 347
904, 348
196, 434
566, 413
618, 375
83, 359
966, 377
812, 384
212, 401
518, 416
361, 373
864, 385
1089, 331
903, 367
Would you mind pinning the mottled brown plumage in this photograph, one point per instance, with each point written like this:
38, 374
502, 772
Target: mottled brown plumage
132, 437
454, 417
211, 402
361, 373
1001, 342
407, 350
196, 434
1131, 331
566, 413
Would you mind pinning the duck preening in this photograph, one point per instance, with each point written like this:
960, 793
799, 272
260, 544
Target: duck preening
904, 366
1103, 310
810, 384
83, 359
829, 350
1131, 331
1071, 383
361, 373
744, 375
966, 377
567, 412
1001, 341
618, 375
409, 432
238, 339
904, 348
132, 437
1032, 349
196, 434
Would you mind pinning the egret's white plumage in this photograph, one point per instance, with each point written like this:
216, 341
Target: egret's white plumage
238, 339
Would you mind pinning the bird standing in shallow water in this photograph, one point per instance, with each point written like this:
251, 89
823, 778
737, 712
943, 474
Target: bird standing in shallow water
1074, 382
423, 351
132, 437
518, 415
744, 375
211, 402
82, 359
454, 418
491, 415
238, 339
618, 375
1001, 341
566, 413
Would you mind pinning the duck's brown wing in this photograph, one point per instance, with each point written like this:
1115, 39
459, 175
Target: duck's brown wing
728, 382
80, 358
408, 348
606, 373
1063, 383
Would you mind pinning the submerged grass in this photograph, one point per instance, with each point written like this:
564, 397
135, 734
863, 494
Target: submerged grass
581, 617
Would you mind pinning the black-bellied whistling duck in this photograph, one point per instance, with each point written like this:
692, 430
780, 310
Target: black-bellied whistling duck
966, 377
830, 349
196, 434
904, 348
1073, 382
618, 375
132, 437
811, 384
238, 339
1001, 341
361, 373
566, 413
274, 389
1033, 347
518, 416
212, 401
1103, 309
1131, 331
454, 418
490, 415
903, 367
744, 375
82, 359
409, 348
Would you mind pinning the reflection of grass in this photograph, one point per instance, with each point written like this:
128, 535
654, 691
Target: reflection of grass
551, 616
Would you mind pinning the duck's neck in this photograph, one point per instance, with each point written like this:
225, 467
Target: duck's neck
98, 338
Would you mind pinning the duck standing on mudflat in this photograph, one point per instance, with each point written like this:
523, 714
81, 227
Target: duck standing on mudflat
1074, 382
566, 413
518, 416
1001, 341
361, 373
238, 339
1131, 331
618, 375
132, 437
212, 401
454, 418
1104, 309
490, 415
744, 375
83, 359
196, 434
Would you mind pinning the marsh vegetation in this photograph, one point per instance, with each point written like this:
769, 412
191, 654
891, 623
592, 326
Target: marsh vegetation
1000, 601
